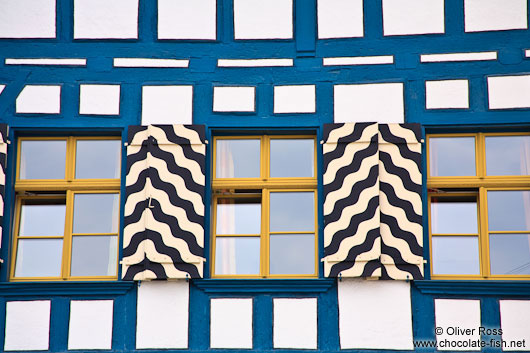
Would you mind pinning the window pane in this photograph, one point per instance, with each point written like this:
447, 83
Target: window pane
454, 215
237, 255
97, 159
94, 255
292, 158
42, 219
96, 213
292, 211
452, 156
292, 254
237, 158
510, 254
238, 216
42, 159
508, 155
455, 255
39, 258
509, 210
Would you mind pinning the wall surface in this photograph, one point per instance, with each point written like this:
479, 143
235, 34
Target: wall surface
86, 67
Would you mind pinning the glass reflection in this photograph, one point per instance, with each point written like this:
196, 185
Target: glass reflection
42, 219
292, 211
507, 155
96, 213
509, 210
98, 159
44, 159
39, 258
292, 254
292, 158
510, 254
237, 255
94, 255
455, 255
238, 216
454, 215
452, 156
237, 158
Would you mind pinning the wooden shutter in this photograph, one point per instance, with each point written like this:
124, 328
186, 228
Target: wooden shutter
163, 235
400, 181
4, 129
352, 243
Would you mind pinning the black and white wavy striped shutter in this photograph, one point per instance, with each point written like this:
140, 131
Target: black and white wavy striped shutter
352, 243
163, 235
4, 130
400, 180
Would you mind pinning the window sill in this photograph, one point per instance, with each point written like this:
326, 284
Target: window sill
479, 287
264, 285
65, 288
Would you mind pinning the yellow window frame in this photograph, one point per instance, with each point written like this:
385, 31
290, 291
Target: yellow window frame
480, 184
57, 189
225, 187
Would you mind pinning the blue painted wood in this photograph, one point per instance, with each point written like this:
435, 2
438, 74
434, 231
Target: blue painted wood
73, 288
227, 286
475, 288
305, 20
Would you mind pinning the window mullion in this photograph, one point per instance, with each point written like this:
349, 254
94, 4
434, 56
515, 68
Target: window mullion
67, 240
70, 159
265, 213
265, 158
480, 155
483, 233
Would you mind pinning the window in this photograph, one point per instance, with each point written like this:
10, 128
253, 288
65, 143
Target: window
479, 204
264, 207
67, 209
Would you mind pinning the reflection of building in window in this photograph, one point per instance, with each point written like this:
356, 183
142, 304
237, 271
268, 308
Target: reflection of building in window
264, 207
67, 209
479, 203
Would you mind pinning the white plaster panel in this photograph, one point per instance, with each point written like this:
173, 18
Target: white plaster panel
294, 99
254, 62
185, 19
167, 104
149, 62
447, 94
340, 18
27, 19
505, 92
99, 99
359, 60
408, 17
46, 62
258, 19
495, 15
374, 102
104, 19
2, 88
90, 324
40, 99
162, 315
27, 325
295, 323
515, 323
375, 314
234, 99
231, 323
451, 57
451, 313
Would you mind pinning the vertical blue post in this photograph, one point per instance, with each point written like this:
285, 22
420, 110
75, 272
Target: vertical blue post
305, 20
